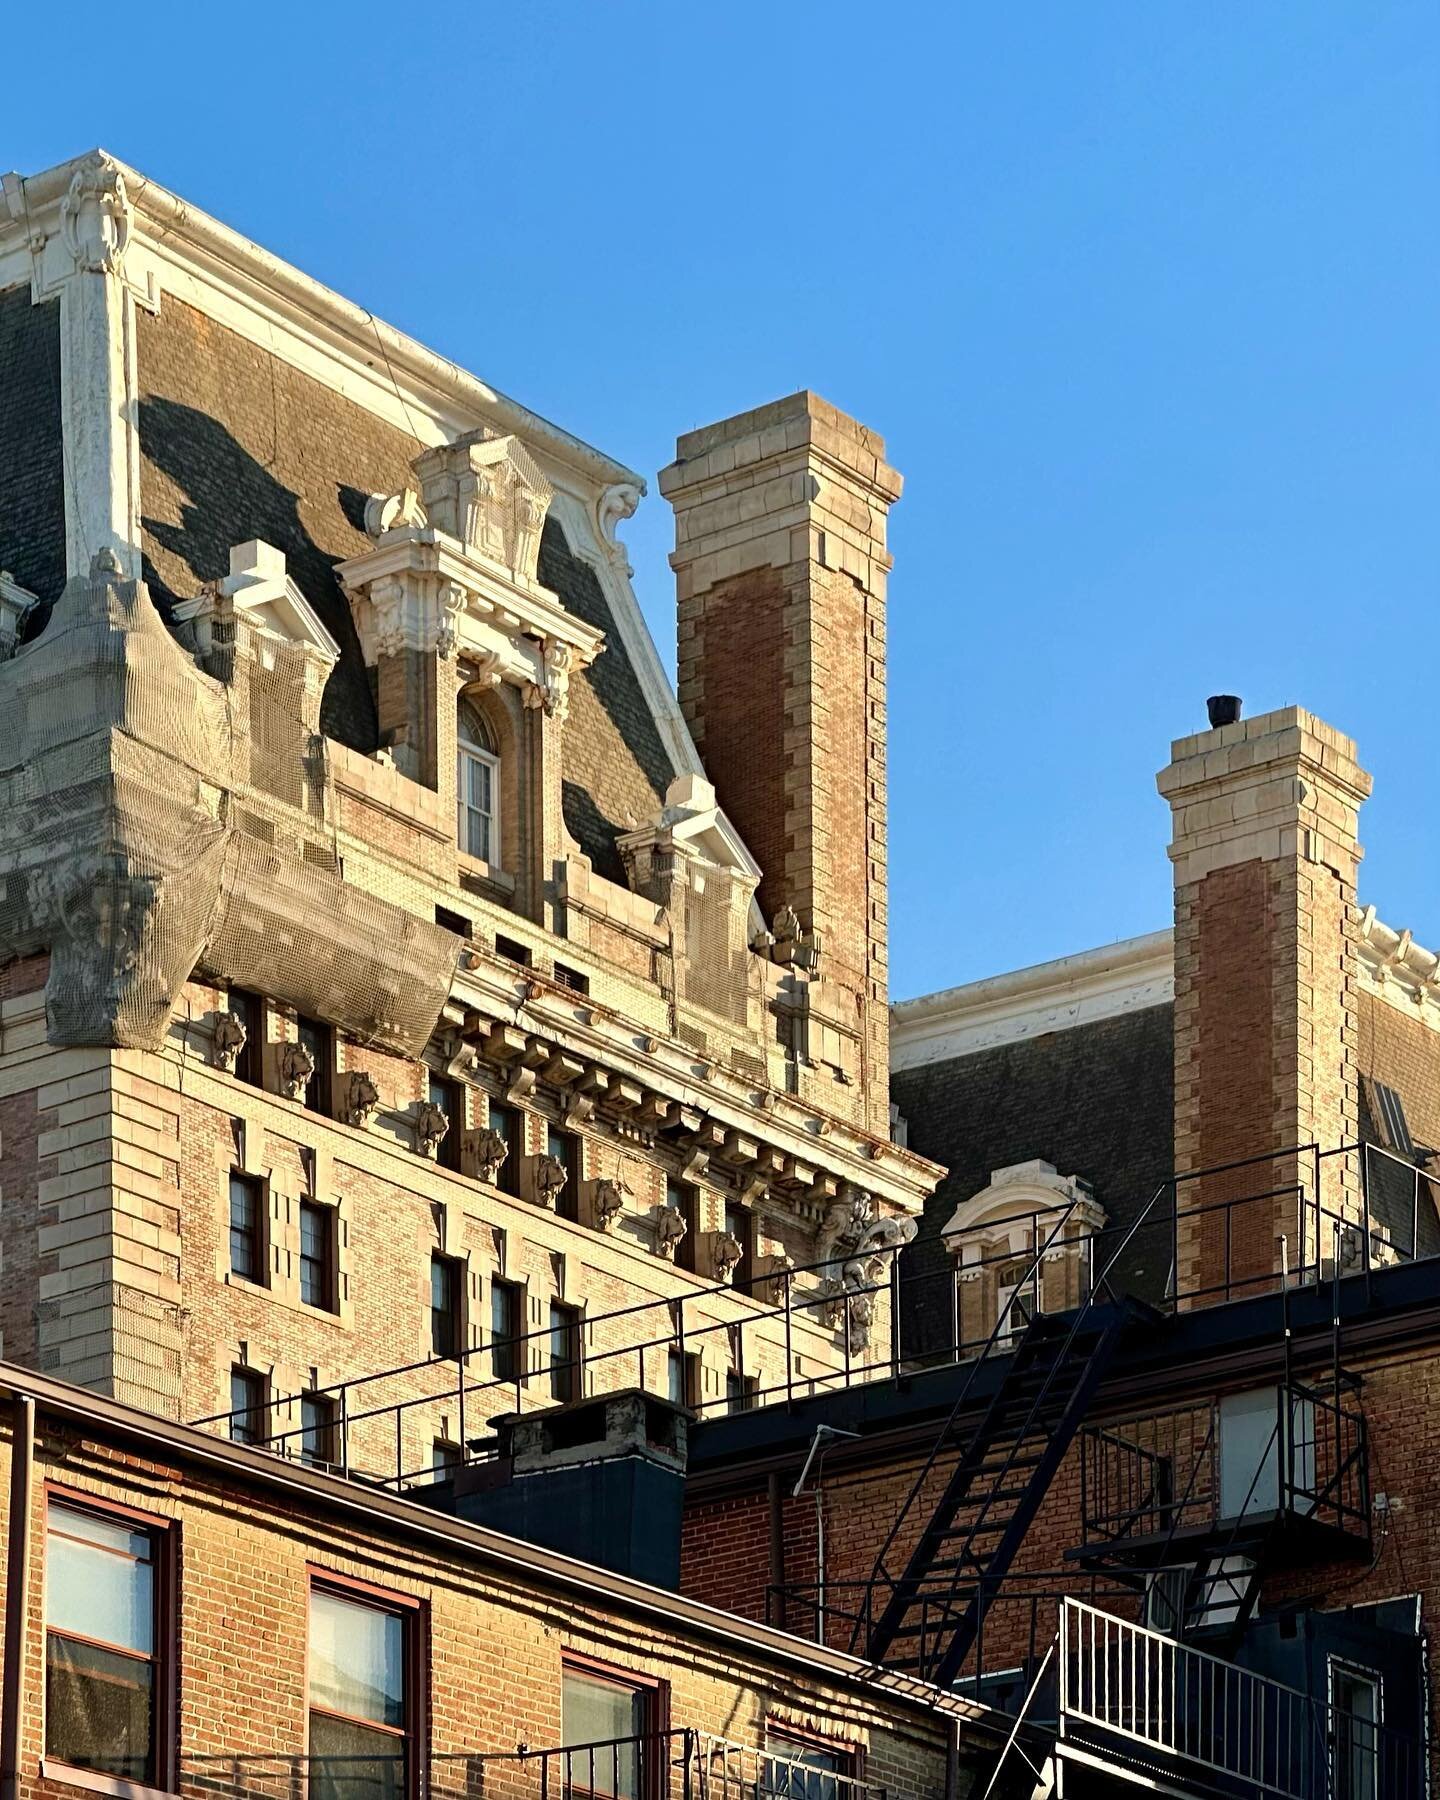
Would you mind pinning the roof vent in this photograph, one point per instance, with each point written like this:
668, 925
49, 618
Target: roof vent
1224, 709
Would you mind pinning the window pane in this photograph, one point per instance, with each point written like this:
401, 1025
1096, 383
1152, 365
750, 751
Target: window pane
479, 773
99, 1708
100, 1580
357, 1659
244, 1228
354, 1762
504, 1329
317, 1433
247, 1406
593, 1711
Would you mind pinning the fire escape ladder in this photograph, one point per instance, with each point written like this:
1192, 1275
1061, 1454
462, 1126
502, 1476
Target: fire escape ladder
999, 1477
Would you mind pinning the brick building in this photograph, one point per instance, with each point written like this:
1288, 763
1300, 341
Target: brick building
463, 1314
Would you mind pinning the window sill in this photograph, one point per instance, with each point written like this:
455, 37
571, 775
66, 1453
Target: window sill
248, 1285
95, 1783
475, 874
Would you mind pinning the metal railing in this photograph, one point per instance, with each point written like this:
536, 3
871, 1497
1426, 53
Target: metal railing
1158, 1474
927, 1316
1136, 1696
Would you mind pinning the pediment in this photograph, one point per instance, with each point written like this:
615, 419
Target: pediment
269, 598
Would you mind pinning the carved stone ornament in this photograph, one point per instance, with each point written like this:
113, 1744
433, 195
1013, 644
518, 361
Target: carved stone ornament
490, 1151
452, 605
297, 1071
394, 512
846, 1222
550, 1178
552, 692
431, 1124
362, 1098
228, 1041
670, 1229
615, 505
725, 1255
95, 217
609, 1203
488, 492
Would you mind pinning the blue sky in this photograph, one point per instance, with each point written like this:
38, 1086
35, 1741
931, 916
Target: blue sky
1145, 297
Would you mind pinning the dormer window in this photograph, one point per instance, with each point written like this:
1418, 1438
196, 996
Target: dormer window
477, 788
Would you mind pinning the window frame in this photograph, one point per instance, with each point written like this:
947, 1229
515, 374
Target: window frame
653, 1693
848, 1779
688, 1195
250, 1010
573, 1325
515, 1344
260, 1232
247, 1371
468, 753
415, 1649
567, 1206
742, 1278
318, 1094
330, 1306
455, 1269
507, 1176
327, 1445
451, 1101
164, 1537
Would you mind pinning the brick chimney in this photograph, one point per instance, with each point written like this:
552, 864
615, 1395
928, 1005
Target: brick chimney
781, 567
1265, 853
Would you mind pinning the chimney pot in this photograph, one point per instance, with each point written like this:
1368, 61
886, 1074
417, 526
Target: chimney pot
1224, 709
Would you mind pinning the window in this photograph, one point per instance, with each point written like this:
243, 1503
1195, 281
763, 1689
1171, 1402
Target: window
564, 1353
319, 1041
477, 788
572, 978
1387, 1113
248, 1424
505, 1330
105, 1641
614, 1717
680, 1197
806, 1768
446, 1458
566, 1151
247, 1227
317, 1429
513, 951
362, 1704
741, 1391
449, 1096
507, 1123
683, 1378
249, 1009
446, 1305
1354, 1731
1015, 1300
740, 1224
453, 921
317, 1255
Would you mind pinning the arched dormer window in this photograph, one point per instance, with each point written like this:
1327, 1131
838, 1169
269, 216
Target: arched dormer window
477, 787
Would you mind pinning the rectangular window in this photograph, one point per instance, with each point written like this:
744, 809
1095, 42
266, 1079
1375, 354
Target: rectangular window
680, 1197
361, 1699
572, 978
445, 1458
248, 1423
249, 1009
513, 950
611, 1728
507, 1123
477, 795
803, 1768
247, 1227
319, 1040
317, 1255
505, 1332
446, 1305
741, 1391
1015, 1299
564, 1353
1354, 1732
683, 1378
105, 1641
449, 1096
1387, 1114
740, 1224
317, 1430
566, 1151
453, 921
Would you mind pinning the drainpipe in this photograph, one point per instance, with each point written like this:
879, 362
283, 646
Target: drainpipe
819, 1444
17, 1593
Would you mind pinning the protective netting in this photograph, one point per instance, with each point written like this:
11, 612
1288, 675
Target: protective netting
136, 794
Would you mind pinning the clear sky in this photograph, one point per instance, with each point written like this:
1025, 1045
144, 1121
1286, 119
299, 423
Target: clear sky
1144, 295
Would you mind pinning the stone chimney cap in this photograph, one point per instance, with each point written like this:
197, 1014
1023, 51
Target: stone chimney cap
1224, 709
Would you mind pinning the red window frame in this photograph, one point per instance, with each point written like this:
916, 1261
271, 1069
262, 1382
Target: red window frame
415, 1637
654, 1693
165, 1560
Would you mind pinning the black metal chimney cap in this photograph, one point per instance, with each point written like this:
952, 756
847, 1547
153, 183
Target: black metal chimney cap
1224, 709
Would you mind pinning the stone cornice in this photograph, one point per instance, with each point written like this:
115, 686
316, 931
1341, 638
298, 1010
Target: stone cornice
1398, 970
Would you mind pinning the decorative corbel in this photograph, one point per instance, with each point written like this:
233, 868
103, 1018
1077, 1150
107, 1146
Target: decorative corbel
95, 217
615, 505
362, 1098
297, 1070
550, 1178
228, 1041
431, 1124
670, 1229
609, 1203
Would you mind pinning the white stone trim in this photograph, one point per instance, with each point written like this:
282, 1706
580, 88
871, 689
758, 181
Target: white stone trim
1398, 970
1027, 1003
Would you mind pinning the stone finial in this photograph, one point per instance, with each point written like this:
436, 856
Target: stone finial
550, 1178
228, 1041
490, 1151
297, 1070
431, 1124
362, 1098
